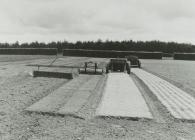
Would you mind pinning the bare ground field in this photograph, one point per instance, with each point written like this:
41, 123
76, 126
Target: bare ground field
19, 90
14, 58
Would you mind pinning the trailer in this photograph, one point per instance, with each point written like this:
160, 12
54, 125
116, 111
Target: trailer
91, 68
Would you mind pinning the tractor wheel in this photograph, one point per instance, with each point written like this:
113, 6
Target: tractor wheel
107, 69
139, 64
79, 71
128, 69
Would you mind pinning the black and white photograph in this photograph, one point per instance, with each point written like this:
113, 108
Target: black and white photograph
97, 70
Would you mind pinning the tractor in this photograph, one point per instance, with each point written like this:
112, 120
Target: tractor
135, 62
118, 65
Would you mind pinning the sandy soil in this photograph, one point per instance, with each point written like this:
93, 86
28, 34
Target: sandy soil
20, 90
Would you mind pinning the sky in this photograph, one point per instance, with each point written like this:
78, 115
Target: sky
73, 20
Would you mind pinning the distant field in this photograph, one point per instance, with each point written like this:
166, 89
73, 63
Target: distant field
12, 58
180, 71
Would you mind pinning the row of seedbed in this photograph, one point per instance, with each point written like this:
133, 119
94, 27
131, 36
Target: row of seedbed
95, 53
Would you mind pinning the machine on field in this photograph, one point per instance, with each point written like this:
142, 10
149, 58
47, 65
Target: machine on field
118, 65
55, 71
91, 68
134, 61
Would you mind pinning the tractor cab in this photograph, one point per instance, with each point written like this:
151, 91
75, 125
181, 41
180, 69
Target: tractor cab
118, 65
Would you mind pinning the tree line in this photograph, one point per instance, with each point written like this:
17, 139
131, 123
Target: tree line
130, 45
